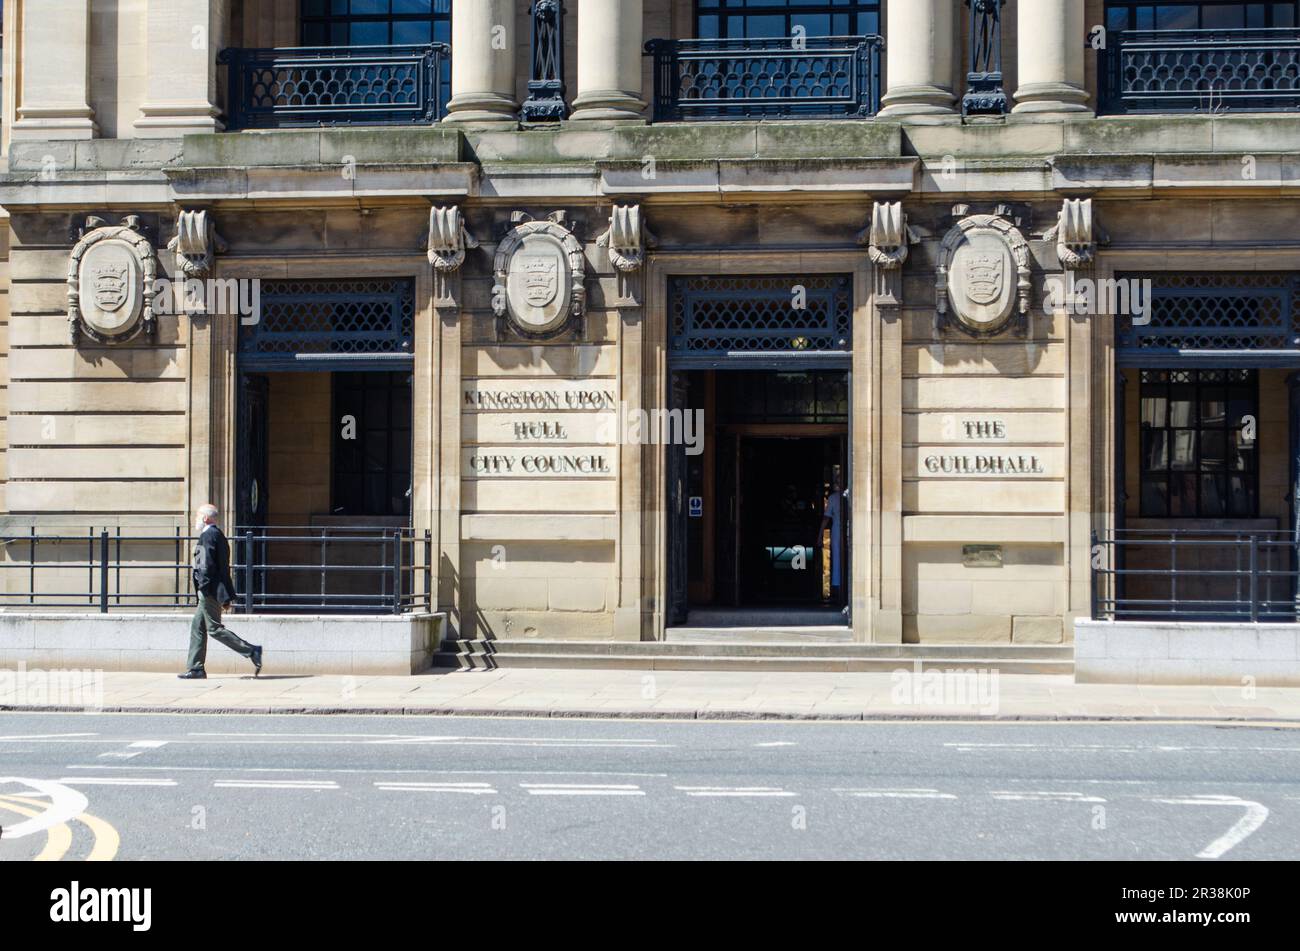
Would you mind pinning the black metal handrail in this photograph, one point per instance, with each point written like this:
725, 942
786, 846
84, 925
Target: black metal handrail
331, 570
335, 85
1210, 71
813, 77
1195, 575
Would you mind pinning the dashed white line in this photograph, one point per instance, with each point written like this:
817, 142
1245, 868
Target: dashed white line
1004, 795
577, 789
464, 789
116, 781
735, 792
147, 744
896, 793
274, 784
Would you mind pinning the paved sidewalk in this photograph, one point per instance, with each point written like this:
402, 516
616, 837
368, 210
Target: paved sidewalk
674, 694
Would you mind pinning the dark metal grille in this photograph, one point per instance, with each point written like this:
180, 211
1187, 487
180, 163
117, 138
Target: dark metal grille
1194, 575
323, 85
1210, 71
1254, 315
286, 569
829, 77
761, 314
331, 324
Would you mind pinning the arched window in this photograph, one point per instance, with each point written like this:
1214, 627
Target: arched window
375, 22
764, 19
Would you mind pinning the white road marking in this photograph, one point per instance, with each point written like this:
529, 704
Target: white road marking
367, 739
734, 792
580, 789
1004, 795
115, 781
274, 784
896, 793
147, 744
1256, 815
65, 804
466, 789
768, 746
46, 736
243, 770
1108, 748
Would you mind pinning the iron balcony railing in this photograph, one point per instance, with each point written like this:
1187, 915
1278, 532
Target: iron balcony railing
815, 77
1194, 575
319, 570
335, 85
1210, 71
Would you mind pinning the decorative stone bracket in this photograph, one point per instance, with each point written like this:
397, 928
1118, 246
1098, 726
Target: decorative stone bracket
983, 278
196, 245
888, 239
628, 240
1077, 234
449, 241
540, 271
111, 281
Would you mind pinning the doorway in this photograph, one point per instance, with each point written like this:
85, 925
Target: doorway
764, 523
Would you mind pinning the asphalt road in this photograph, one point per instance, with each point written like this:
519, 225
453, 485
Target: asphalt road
123, 786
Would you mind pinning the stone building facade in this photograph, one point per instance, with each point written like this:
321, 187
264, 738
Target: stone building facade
614, 295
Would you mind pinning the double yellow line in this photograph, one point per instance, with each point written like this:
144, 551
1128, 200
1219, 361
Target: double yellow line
59, 838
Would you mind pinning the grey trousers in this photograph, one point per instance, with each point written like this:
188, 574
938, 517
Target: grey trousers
207, 620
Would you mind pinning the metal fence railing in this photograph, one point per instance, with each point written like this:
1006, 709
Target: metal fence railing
335, 85
1194, 575
289, 569
813, 77
1210, 71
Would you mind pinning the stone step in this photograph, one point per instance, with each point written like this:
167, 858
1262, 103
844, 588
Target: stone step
776, 657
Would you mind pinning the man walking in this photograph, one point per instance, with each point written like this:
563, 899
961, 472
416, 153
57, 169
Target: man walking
216, 589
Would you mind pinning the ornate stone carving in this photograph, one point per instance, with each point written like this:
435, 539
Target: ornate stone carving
540, 277
983, 277
1076, 234
889, 239
449, 239
111, 282
195, 245
627, 240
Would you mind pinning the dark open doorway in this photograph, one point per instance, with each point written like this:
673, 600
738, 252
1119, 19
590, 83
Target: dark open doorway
763, 521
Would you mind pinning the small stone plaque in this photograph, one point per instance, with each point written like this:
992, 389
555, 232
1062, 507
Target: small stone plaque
981, 556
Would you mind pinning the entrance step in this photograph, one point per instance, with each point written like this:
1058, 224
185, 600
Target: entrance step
754, 655
708, 618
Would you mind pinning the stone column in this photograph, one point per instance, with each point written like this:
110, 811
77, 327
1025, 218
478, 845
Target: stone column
920, 41
1050, 38
482, 62
54, 72
609, 60
181, 92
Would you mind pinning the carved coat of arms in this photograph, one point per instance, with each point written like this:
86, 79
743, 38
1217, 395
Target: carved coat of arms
111, 280
540, 274
983, 277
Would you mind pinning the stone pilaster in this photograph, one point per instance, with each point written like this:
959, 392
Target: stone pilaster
54, 72
1050, 49
921, 41
609, 60
482, 62
181, 93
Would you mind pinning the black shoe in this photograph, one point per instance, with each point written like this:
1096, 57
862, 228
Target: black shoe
193, 675
257, 661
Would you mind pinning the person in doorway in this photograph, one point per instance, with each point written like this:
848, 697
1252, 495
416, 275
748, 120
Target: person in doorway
215, 589
833, 518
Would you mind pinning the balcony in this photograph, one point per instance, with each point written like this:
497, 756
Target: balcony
1209, 71
836, 77
332, 86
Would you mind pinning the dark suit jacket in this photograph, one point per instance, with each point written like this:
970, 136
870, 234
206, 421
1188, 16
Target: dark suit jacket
212, 566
